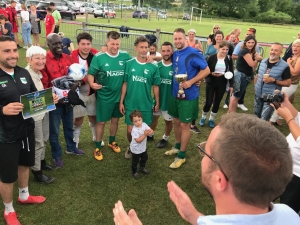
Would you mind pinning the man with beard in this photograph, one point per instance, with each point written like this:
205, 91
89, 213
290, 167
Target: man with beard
165, 88
84, 55
139, 78
17, 140
57, 65
156, 56
273, 74
106, 75
243, 170
190, 61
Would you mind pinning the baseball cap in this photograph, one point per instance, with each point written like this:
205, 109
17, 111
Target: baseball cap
253, 30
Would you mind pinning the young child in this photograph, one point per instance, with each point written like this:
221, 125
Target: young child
5, 26
49, 22
139, 134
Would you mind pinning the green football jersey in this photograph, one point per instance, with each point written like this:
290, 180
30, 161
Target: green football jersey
165, 88
140, 77
108, 71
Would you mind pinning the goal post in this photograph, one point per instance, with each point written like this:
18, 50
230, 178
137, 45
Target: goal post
192, 14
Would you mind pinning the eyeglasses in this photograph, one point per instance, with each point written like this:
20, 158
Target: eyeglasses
202, 150
216, 27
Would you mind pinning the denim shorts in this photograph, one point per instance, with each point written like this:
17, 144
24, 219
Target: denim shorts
241, 81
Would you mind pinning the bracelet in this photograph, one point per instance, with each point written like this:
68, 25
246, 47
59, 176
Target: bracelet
289, 121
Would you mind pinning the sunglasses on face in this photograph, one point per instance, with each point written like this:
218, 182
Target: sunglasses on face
201, 148
216, 27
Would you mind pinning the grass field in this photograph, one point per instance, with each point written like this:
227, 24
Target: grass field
85, 190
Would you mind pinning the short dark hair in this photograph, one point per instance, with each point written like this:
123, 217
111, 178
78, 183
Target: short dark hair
5, 38
154, 45
257, 160
253, 30
217, 32
2, 17
49, 9
140, 39
51, 4
277, 43
12, 2
179, 30
85, 36
167, 43
113, 35
135, 113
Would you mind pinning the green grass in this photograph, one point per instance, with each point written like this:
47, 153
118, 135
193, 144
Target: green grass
85, 190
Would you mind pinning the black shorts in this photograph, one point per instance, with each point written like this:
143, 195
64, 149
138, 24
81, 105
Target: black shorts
12, 155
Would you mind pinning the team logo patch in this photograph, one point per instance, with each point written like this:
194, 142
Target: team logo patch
23, 80
146, 71
121, 63
3, 85
171, 73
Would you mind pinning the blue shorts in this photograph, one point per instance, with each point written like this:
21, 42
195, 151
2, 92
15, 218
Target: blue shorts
241, 81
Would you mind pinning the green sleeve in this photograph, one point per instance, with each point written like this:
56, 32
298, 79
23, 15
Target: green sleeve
94, 68
156, 77
57, 15
125, 79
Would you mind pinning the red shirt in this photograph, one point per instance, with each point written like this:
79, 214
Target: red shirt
12, 14
49, 22
55, 68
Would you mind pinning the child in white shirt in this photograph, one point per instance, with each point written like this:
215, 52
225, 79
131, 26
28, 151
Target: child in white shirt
138, 147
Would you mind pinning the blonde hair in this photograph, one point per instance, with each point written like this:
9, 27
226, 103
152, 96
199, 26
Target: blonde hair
23, 6
234, 31
296, 42
216, 25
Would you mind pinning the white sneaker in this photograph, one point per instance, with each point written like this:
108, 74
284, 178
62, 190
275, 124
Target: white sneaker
242, 107
225, 106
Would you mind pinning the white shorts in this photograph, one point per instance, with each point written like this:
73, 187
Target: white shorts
90, 103
165, 115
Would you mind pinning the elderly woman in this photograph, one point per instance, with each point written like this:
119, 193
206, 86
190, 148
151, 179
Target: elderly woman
211, 37
294, 64
291, 195
36, 58
35, 17
191, 41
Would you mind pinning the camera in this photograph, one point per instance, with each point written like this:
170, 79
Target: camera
275, 97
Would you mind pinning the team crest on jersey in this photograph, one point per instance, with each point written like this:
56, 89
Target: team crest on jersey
146, 71
171, 73
121, 63
23, 80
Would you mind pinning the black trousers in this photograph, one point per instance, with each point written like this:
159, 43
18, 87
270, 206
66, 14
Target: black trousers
138, 158
291, 195
214, 94
56, 29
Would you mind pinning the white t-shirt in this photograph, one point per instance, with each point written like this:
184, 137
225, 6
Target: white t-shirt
24, 16
295, 149
156, 54
220, 66
138, 148
279, 215
84, 89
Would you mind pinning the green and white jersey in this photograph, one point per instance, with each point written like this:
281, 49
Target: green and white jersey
108, 71
165, 88
140, 77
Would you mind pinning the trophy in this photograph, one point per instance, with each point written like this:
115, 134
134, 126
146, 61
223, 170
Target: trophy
181, 78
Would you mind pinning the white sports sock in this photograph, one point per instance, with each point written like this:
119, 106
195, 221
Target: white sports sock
212, 116
165, 137
93, 128
23, 193
8, 208
204, 114
76, 133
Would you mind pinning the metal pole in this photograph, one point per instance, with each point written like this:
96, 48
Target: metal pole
191, 16
108, 15
200, 16
121, 7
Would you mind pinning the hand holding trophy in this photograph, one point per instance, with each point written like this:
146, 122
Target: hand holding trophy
181, 78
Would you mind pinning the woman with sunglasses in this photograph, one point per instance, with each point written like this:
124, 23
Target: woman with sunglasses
214, 46
247, 60
211, 37
216, 83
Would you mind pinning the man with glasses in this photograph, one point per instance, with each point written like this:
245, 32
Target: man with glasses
243, 170
252, 32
